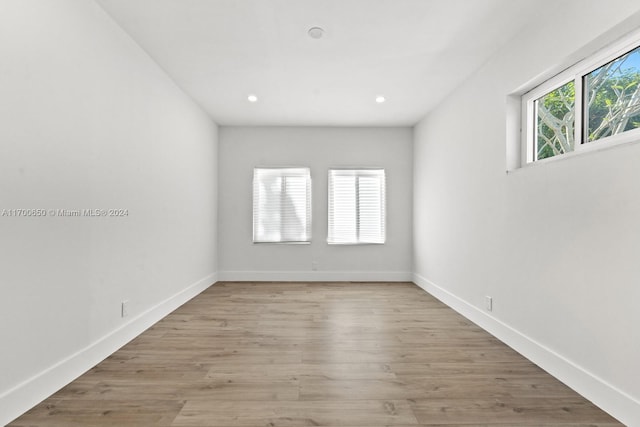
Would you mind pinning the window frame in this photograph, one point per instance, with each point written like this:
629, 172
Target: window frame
358, 172
577, 74
309, 206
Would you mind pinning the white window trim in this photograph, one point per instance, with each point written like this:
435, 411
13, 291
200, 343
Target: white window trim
575, 73
307, 241
384, 205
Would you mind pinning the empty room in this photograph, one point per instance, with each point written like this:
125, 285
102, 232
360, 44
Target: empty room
286, 213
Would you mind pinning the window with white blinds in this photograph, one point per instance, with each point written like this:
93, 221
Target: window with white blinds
356, 206
281, 205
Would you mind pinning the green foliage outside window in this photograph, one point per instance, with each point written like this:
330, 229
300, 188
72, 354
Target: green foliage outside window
613, 91
556, 119
612, 94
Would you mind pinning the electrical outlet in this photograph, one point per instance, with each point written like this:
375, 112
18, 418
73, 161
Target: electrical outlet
124, 312
314, 265
488, 303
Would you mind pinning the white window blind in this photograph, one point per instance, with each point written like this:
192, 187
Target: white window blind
356, 206
281, 205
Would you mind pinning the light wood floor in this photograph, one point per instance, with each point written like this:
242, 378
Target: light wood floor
321, 354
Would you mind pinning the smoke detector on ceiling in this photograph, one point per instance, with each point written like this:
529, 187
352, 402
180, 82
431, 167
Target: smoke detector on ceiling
315, 32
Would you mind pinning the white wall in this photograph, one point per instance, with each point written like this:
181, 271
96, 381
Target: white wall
556, 245
243, 148
89, 121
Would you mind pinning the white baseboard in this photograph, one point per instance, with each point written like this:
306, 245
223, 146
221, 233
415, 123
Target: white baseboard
315, 276
21, 398
615, 402
26, 395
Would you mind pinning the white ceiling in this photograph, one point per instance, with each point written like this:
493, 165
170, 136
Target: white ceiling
414, 52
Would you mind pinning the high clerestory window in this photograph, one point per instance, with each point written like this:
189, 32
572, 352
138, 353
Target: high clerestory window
597, 101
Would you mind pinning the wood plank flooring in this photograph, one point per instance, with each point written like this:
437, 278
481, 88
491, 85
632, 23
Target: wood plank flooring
315, 354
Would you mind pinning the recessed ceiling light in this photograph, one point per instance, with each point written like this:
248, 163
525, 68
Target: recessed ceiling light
380, 99
252, 98
315, 32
